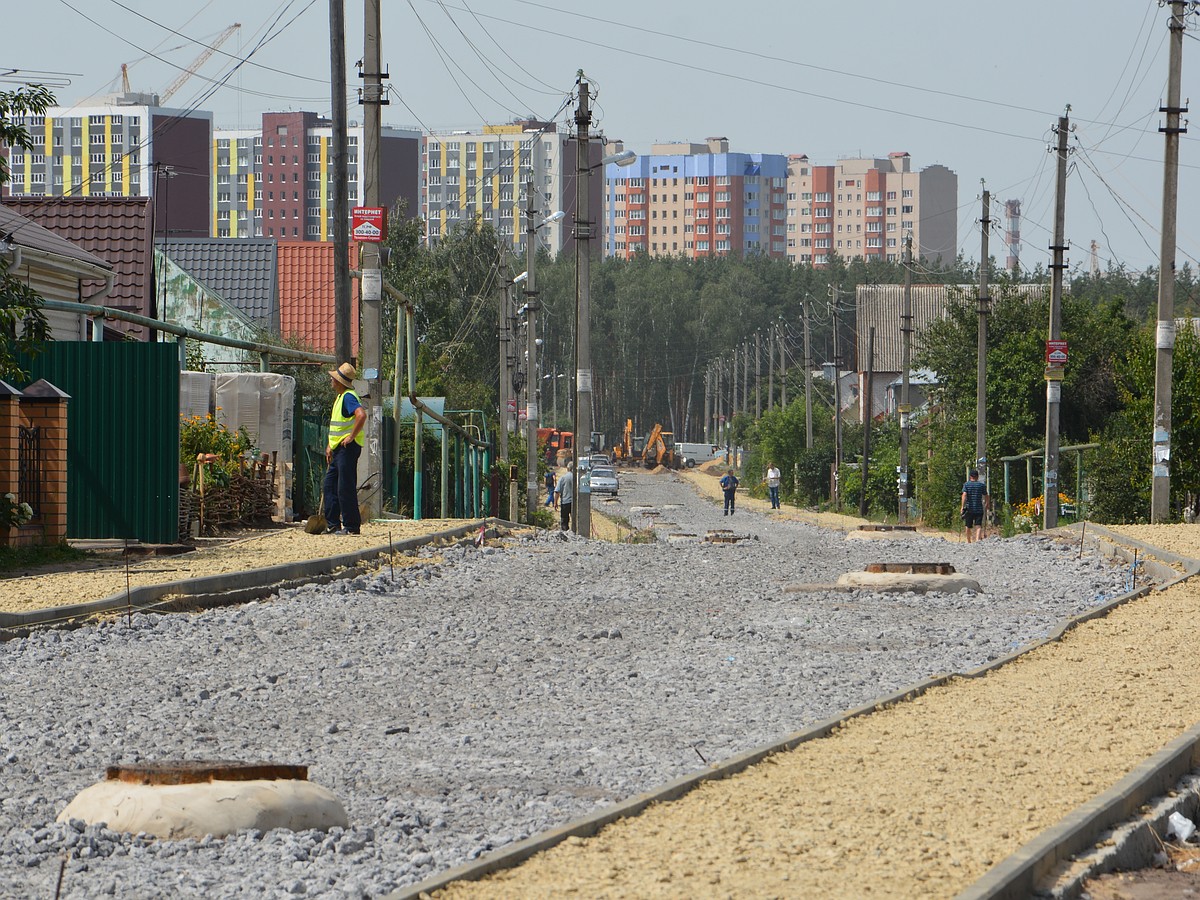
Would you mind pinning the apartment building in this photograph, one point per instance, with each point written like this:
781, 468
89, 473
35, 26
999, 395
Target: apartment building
277, 181
482, 175
122, 146
866, 207
697, 200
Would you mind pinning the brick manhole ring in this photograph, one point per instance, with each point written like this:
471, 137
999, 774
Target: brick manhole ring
201, 771
912, 568
724, 536
887, 527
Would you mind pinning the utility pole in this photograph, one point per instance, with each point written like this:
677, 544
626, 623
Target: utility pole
868, 409
808, 428
1160, 491
746, 377
906, 330
371, 283
583, 333
706, 430
1054, 374
782, 373
837, 402
757, 375
341, 182
505, 386
531, 375
772, 343
981, 344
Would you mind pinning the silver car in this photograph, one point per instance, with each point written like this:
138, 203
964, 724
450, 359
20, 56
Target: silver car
604, 480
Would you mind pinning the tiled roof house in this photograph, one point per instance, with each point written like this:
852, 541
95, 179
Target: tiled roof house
117, 230
243, 272
55, 268
306, 294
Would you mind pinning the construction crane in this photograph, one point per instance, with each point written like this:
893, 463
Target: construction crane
190, 70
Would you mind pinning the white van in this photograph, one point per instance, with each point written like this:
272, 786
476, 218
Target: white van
694, 454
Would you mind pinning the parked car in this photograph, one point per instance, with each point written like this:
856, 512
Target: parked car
604, 480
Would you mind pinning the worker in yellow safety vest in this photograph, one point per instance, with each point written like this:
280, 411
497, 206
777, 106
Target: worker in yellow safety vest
340, 488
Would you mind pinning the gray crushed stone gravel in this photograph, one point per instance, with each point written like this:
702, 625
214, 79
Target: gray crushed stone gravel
502, 692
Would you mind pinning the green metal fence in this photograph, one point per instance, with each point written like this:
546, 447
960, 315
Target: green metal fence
122, 436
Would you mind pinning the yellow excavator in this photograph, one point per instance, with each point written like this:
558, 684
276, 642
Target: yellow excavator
624, 450
660, 449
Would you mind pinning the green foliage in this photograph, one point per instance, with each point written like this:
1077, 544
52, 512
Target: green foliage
24, 559
223, 450
23, 325
14, 511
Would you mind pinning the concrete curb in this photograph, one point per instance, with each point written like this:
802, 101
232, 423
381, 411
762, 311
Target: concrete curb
592, 823
233, 587
1019, 875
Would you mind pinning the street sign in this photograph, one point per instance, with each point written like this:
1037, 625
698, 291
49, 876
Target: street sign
1056, 353
368, 224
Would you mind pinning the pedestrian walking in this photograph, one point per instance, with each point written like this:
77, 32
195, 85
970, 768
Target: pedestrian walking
564, 495
773, 480
346, 439
729, 485
550, 482
974, 505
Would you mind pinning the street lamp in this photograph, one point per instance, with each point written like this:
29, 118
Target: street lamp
583, 336
533, 388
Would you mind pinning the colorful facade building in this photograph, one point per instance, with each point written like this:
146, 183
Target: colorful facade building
866, 207
697, 200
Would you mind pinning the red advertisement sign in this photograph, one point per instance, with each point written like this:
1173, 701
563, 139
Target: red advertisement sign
368, 224
1056, 353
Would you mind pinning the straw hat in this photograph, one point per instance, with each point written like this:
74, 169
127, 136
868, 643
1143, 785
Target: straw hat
343, 375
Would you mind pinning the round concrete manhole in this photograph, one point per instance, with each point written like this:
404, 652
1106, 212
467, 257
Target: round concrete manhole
193, 798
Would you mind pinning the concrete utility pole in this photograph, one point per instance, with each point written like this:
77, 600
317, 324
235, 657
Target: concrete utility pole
505, 385
1054, 374
583, 331
772, 343
808, 428
371, 284
837, 402
905, 410
706, 429
783, 369
746, 377
531, 374
341, 182
981, 344
757, 375
867, 403
1160, 490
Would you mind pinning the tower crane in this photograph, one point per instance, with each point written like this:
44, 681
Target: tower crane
196, 63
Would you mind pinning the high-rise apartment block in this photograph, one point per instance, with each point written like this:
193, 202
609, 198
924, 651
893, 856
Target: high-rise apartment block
468, 176
112, 149
697, 200
278, 182
866, 207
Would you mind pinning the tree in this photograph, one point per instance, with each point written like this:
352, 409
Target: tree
23, 326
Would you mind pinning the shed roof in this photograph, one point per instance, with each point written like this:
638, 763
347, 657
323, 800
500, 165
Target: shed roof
116, 229
241, 271
306, 294
24, 232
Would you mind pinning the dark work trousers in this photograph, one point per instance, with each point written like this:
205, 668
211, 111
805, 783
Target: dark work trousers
566, 515
729, 501
774, 492
341, 488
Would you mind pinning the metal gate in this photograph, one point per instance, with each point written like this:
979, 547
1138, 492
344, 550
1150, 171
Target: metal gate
122, 436
29, 467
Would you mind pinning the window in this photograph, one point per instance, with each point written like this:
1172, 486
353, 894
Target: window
891, 195
701, 245
874, 210
722, 245
702, 214
258, 195
891, 210
96, 158
907, 193
313, 157
907, 209
723, 196
223, 197
824, 197
702, 180
222, 215
702, 198
314, 212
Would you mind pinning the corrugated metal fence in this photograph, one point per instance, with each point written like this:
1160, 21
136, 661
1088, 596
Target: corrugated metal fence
123, 436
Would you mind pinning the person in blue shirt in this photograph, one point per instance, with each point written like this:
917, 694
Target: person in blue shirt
974, 506
729, 485
346, 439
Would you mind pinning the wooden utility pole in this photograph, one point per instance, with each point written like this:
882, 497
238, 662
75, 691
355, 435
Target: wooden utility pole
1160, 491
981, 344
905, 409
371, 282
341, 182
1054, 374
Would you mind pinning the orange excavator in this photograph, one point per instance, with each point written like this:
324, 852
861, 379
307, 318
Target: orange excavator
660, 449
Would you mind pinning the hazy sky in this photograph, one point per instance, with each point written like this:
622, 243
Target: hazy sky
974, 86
